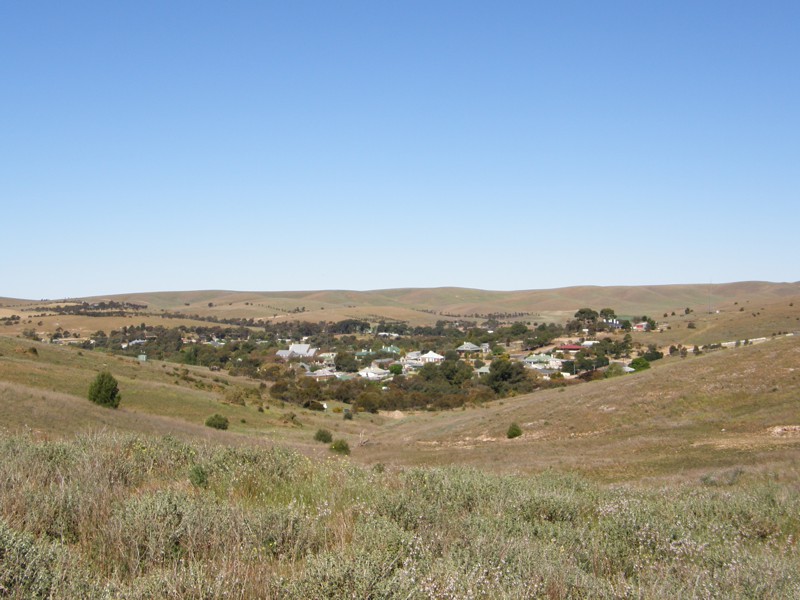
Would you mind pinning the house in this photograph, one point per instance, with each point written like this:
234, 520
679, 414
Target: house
643, 326
542, 361
570, 348
297, 351
546, 374
328, 359
374, 373
392, 349
431, 357
468, 347
611, 323
321, 374
412, 360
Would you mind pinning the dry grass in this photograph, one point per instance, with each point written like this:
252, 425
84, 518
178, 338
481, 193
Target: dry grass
681, 416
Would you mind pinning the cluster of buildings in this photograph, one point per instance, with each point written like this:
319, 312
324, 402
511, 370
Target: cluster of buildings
380, 369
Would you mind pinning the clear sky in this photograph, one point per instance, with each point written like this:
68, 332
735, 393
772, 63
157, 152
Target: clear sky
154, 145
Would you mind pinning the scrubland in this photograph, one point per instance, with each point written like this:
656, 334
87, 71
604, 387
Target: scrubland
131, 516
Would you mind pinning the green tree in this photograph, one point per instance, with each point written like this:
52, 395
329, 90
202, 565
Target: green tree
505, 377
514, 431
653, 353
518, 330
640, 364
608, 313
587, 316
104, 390
346, 361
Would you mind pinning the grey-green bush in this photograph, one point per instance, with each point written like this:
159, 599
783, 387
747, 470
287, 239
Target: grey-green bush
341, 446
514, 431
324, 436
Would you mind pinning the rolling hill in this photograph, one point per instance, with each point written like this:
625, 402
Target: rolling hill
725, 310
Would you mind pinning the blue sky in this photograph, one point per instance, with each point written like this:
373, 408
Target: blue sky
154, 146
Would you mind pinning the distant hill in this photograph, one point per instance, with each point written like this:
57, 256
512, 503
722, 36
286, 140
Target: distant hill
423, 305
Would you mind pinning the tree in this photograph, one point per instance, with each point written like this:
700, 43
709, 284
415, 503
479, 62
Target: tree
505, 376
640, 364
608, 313
346, 361
104, 390
652, 353
587, 316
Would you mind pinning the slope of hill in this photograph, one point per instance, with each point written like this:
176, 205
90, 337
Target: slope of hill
686, 416
731, 408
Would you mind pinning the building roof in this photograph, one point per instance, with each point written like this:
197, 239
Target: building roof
374, 373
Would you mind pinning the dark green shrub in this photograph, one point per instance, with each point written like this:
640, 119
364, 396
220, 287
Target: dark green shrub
514, 431
198, 476
341, 446
104, 390
217, 421
324, 436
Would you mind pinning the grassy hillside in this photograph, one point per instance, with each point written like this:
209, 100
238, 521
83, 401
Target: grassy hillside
683, 417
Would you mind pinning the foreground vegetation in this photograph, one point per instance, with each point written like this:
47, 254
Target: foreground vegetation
112, 515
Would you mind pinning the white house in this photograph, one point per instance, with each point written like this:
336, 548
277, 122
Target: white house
542, 361
468, 347
297, 351
374, 373
321, 374
431, 357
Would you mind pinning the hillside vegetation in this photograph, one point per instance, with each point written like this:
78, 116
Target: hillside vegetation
122, 516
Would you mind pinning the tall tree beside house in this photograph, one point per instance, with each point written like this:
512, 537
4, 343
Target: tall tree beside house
104, 390
587, 316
